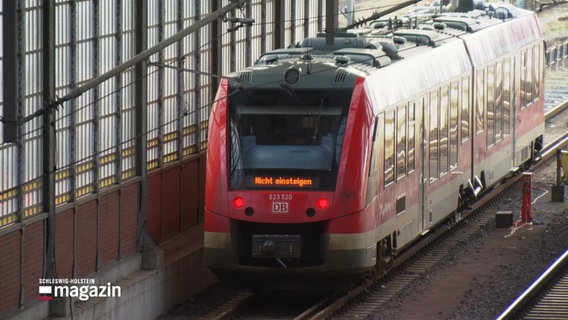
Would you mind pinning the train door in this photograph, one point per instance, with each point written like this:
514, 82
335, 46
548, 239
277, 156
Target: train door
506, 104
477, 101
431, 154
479, 134
421, 108
513, 92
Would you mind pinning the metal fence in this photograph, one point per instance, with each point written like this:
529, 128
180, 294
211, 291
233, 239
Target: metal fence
95, 141
556, 53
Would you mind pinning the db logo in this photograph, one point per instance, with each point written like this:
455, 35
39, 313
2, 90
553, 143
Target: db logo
280, 207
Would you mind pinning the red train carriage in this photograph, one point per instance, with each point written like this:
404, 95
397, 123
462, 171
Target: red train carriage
325, 160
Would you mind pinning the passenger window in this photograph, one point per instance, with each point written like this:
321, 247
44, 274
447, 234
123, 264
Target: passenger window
433, 134
480, 94
389, 147
401, 142
465, 109
524, 82
454, 110
375, 151
507, 74
536, 72
373, 182
411, 141
529, 68
444, 120
498, 101
490, 105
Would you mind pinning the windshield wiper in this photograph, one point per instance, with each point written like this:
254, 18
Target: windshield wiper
293, 94
317, 122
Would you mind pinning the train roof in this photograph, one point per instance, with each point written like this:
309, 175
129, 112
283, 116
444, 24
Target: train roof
440, 47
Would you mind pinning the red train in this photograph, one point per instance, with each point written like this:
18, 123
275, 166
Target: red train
327, 159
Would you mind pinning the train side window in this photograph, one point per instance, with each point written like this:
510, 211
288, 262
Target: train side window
389, 147
373, 182
524, 81
537, 56
507, 75
454, 109
375, 150
498, 101
480, 95
490, 105
433, 134
529, 76
411, 140
379, 140
443, 143
401, 142
465, 98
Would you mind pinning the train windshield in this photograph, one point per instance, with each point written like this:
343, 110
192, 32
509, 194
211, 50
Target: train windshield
286, 139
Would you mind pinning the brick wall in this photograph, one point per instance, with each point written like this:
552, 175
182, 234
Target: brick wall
175, 198
108, 231
129, 201
96, 231
10, 270
64, 237
86, 238
25, 244
33, 257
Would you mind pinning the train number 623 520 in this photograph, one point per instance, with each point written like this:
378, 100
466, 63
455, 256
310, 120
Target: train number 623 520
280, 196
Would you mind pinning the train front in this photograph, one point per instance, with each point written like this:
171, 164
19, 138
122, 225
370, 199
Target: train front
287, 150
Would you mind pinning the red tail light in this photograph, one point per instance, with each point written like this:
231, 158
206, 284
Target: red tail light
238, 202
322, 203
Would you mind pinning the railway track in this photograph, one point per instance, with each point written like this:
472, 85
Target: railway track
272, 305
556, 77
476, 222
472, 226
546, 298
364, 299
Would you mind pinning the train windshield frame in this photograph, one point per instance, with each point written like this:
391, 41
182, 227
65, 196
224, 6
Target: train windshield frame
284, 139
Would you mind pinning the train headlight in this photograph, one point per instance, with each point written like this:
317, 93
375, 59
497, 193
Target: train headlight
292, 75
238, 203
322, 203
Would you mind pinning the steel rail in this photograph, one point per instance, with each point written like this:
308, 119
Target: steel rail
556, 110
548, 152
529, 295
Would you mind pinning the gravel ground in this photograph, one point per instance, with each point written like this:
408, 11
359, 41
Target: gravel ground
554, 20
485, 274
479, 280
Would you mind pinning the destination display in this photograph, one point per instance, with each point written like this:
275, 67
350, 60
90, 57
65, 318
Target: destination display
283, 182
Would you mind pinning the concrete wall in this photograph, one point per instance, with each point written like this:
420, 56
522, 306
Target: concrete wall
96, 238
91, 234
151, 283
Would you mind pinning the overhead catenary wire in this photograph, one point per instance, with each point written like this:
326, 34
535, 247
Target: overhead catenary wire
98, 80
92, 83
135, 137
140, 57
